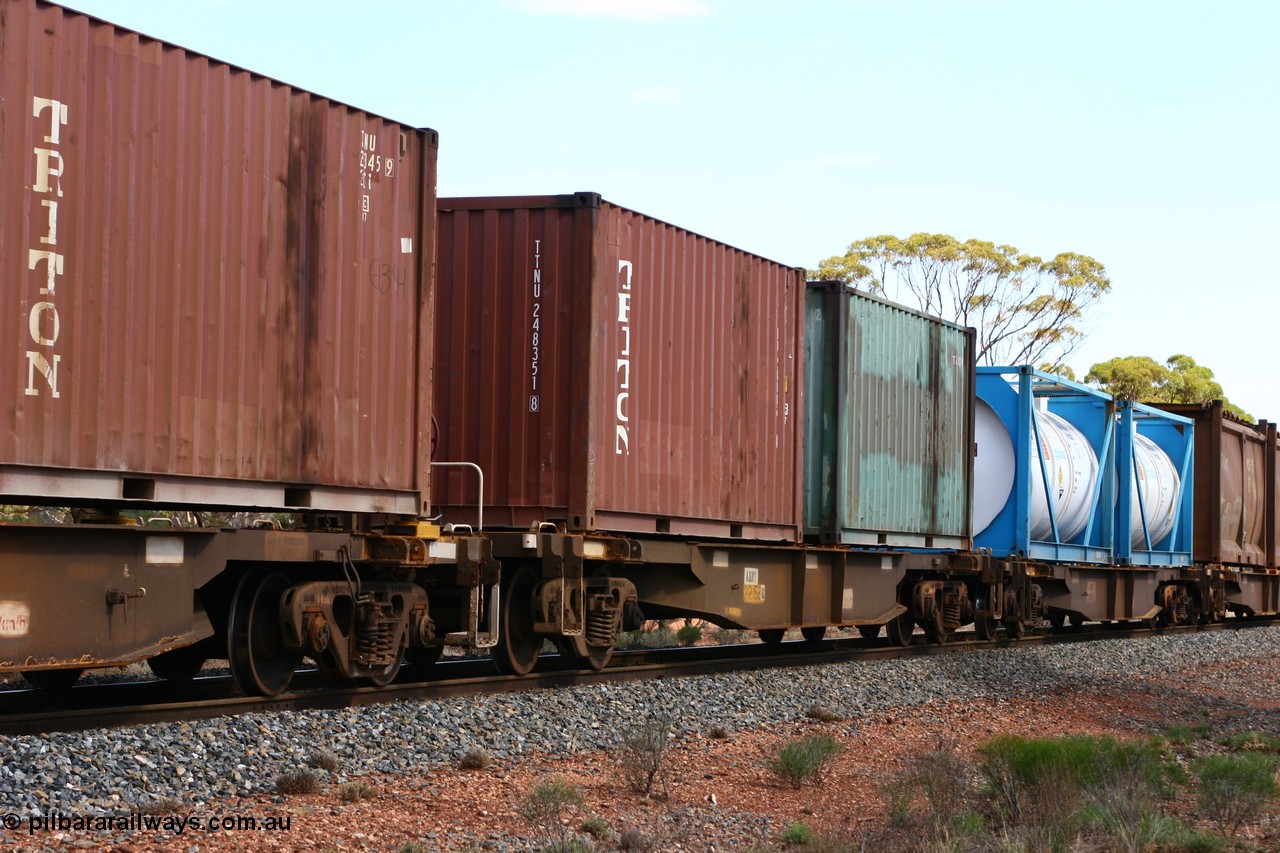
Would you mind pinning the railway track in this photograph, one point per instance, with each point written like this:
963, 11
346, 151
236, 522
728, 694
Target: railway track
91, 706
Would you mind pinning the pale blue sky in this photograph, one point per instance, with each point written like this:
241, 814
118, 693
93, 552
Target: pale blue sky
1144, 134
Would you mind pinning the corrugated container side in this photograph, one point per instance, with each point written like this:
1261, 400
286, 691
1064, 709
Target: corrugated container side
889, 444
215, 281
642, 378
1231, 486
1271, 531
822, 355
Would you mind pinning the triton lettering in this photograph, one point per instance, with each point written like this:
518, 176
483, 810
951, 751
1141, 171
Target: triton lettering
622, 365
43, 325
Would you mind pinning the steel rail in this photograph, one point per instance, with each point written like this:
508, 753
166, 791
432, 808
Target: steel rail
25, 712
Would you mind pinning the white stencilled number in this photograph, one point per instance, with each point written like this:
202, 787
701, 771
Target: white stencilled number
622, 363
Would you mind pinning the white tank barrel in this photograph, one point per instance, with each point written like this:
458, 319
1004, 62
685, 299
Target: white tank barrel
1156, 477
1072, 468
1069, 461
993, 466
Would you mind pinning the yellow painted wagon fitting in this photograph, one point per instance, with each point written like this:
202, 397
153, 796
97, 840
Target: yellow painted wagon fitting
420, 529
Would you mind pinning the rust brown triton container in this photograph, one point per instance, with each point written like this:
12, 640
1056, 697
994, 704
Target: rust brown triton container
613, 372
213, 284
1271, 526
1232, 489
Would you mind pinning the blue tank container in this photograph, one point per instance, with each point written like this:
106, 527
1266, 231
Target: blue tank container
1155, 490
1065, 473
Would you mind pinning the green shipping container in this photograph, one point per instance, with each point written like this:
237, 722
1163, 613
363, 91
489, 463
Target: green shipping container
888, 422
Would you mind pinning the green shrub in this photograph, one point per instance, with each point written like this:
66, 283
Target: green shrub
1126, 812
1194, 841
1046, 791
729, 636
1256, 741
595, 825
476, 758
164, 805
660, 637
943, 783
349, 792
796, 833
689, 634
301, 781
970, 824
1030, 781
548, 806
823, 714
644, 755
897, 795
801, 760
322, 759
1233, 788
634, 839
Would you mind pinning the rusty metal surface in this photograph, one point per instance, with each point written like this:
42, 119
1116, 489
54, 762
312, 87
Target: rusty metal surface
210, 275
615, 372
1271, 524
1231, 488
100, 595
766, 586
889, 414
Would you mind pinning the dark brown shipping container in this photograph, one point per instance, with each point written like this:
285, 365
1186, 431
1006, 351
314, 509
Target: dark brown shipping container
1233, 496
1272, 525
614, 372
214, 284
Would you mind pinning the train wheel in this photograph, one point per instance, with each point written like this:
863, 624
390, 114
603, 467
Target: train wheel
935, 629
567, 652
869, 632
814, 634
260, 663
518, 645
900, 628
178, 664
983, 626
1014, 627
596, 658
772, 636
388, 675
52, 679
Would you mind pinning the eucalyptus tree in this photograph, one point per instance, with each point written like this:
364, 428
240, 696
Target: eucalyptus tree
1178, 380
1026, 310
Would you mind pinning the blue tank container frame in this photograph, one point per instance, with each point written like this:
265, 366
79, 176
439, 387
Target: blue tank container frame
1174, 435
1014, 393
1019, 395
